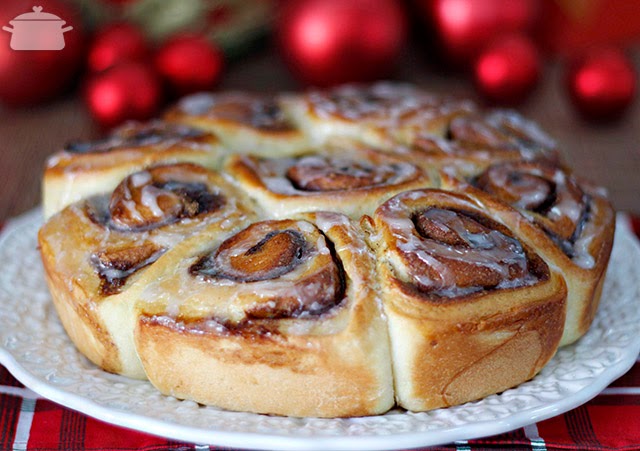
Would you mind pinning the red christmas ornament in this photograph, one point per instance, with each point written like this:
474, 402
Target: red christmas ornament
327, 42
129, 90
115, 43
28, 77
189, 63
464, 27
602, 83
508, 70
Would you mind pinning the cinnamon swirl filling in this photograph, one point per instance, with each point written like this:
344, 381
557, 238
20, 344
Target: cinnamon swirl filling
157, 197
554, 198
444, 251
114, 266
282, 269
337, 174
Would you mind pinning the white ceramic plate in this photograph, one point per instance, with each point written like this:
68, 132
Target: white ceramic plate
35, 348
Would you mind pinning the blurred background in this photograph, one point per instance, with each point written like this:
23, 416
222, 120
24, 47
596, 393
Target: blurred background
570, 65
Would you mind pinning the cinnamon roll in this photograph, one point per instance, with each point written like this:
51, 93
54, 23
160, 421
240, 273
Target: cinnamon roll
280, 317
476, 141
247, 123
472, 309
85, 168
506, 131
95, 250
569, 222
383, 114
350, 178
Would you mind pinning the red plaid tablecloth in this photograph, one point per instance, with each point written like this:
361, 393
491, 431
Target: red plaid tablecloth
610, 421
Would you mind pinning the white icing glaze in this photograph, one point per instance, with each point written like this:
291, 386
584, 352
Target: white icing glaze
149, 198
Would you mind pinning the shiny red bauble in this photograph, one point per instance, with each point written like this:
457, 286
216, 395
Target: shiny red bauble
189, 63
464, 27
508, 69
327, 42
115, 43
130, 90
28, 77
602, 83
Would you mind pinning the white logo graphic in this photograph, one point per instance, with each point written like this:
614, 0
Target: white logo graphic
37, 31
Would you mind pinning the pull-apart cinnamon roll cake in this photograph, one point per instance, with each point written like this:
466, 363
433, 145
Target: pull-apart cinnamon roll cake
336, 253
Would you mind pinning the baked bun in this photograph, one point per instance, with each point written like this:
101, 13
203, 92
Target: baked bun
476, 141
95, 250
382, 115
247, 123
281, 317
346, 177
471, 309
338, 252
85, 168
568, 221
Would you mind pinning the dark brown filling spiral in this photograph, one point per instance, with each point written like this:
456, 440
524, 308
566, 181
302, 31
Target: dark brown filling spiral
277, 253
459, 253
324, 174
273, 251
442, 248
115, 266
560, 205
158, 197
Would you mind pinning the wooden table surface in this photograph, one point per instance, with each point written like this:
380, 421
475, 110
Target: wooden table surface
606, 154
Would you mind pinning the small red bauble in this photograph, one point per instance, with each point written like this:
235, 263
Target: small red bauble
327, 42
189, 63
465, 27
130, 90
508, 70
115, 43
28, 77
602, 83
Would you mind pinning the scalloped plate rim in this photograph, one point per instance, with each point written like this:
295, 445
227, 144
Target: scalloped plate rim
280, 441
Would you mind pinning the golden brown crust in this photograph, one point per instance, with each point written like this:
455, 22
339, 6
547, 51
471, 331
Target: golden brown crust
79, 319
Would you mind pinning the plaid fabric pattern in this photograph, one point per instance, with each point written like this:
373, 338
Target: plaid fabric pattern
610, 421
